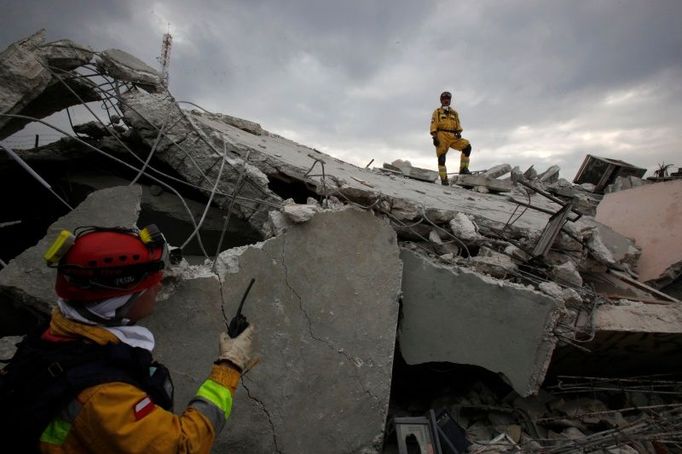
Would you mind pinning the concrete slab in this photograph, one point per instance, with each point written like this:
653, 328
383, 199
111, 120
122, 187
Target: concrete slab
28, 88
27, 284
123, 66
651, 215
492, 184
631, 338
410, 171
455, 315
498, 170
325, 306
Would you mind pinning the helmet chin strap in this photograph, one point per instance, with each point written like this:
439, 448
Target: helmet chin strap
119, 315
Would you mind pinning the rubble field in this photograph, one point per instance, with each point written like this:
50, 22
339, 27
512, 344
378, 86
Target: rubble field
536, 314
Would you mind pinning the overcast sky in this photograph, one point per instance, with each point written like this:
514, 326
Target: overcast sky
535, 82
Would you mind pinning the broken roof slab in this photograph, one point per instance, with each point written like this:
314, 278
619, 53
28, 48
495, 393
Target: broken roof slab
325, 307
29, 87
451, 314
198, 156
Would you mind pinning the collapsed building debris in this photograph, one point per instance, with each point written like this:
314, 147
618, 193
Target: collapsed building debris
454, 315
602, 172
513, 275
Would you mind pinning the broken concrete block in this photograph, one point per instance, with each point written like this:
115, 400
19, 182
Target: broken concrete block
492, 184
410, 171
299, 214
276, 224
552, 289
325, 307
567, 274
516, 174
531, 173
455, 315
126, 67
497, 171
517, 253
22, 75
65, 54
245, 125
598, 249
463, 228
434, 237
567, 295
27, 87
492, 263
481, 189
551, 175
27, 284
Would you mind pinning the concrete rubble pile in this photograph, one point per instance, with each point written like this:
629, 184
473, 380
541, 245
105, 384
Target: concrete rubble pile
505, 270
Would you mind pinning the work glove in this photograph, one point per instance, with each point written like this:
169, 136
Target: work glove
239, 350
436, 142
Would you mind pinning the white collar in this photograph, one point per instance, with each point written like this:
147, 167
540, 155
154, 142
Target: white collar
133, 335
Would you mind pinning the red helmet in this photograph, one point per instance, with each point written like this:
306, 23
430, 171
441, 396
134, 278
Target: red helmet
109, 262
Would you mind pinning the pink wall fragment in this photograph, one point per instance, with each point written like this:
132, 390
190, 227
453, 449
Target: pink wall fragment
652, 216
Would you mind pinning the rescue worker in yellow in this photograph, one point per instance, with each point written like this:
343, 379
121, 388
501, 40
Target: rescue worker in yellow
91, 384
446, 133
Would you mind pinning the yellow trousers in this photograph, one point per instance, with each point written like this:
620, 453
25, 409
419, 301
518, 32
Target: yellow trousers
449, 140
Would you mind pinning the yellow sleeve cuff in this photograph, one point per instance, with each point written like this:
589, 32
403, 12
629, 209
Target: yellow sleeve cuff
226, 376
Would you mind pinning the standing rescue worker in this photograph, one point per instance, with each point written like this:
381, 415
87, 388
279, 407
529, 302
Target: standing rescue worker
87, 382
446, 133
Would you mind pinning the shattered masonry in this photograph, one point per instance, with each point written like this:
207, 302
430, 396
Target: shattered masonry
480, 275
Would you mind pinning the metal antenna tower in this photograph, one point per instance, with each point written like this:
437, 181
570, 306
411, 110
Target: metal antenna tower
166, 44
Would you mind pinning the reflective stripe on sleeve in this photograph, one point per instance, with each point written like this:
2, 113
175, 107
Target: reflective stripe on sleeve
213, 413
218, 395
56, 432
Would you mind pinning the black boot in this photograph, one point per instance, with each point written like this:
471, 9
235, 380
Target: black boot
464, 171
445, 182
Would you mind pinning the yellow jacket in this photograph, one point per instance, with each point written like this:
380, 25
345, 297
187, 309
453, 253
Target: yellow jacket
119, 418
445, 120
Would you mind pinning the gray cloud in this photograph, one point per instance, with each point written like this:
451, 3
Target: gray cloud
534, 81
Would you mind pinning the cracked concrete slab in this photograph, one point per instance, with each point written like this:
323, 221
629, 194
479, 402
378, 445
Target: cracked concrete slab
451, 314
27, 284
325, 304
